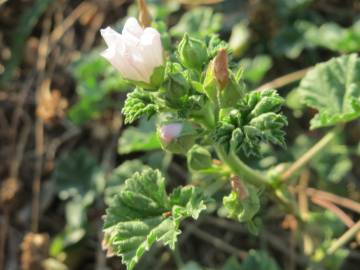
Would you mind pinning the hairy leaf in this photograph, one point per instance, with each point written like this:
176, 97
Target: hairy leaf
255, 120
118, 176
137, 104
141, 138
333, 88
242, 209
143, 213
77, 175
334, 37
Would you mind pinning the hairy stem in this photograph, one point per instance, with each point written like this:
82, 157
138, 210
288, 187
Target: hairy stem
254, 177
246, 173
304, 159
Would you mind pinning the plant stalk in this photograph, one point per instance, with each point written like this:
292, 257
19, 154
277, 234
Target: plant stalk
254, 177
246, 173
346, 237
304, 159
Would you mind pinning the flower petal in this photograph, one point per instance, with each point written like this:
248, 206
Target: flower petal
132, 29
150, 43
110, 36
170, 132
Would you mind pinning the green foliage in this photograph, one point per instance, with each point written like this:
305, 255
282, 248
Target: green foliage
192, 52
242, 209
255, 69
77, 175
323, 227
333, 88
143, 213
332, 164
95, 79
199, 158
334, 37
255, 120
200, 22
118, 176
141, 138
240, 38
181, 142
259, 260
79, 180
139, 103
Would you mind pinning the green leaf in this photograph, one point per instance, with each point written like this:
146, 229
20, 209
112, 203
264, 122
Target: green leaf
118, 176
95, 79
259, 260
240, 38
199, 158
143, 213
334, 37
242, 209
77, 175
333, 88
137, 104
255, 120
200, 22
255, 69
141, 138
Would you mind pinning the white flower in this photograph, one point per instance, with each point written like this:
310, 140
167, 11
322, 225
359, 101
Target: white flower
170, 132
136, 52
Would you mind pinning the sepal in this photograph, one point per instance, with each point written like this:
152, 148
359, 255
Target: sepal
192, 52
177, 136
199, 158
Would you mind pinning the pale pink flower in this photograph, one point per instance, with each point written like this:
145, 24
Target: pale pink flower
170, 132
136, 52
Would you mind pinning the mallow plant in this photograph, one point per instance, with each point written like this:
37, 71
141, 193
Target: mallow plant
206, 113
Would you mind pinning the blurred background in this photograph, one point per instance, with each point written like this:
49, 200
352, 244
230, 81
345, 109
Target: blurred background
62, 133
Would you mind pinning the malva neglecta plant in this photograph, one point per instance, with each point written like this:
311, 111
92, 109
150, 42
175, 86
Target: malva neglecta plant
205, 112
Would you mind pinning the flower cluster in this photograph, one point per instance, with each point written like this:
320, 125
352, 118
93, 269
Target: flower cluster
201, 100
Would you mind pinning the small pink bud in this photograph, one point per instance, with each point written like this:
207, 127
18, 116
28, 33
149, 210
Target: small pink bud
220, 68
170, 132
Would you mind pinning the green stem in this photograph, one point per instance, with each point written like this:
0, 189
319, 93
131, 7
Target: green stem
254, 177
304, 159
246, 173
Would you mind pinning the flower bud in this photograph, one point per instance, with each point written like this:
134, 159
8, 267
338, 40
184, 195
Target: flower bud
175, 86
192, 52
220, 68
231, 94
199, 158
144, 14
220, 84
177, 137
